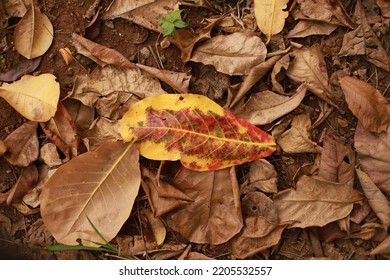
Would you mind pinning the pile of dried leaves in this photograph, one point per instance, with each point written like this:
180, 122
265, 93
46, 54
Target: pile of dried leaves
315, 80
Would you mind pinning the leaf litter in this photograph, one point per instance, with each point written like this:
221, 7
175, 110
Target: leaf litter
238, 207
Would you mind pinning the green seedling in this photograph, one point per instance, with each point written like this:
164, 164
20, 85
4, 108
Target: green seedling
170, 22
2, 58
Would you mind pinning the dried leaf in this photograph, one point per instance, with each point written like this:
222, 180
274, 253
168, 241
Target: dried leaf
102, 55
178, 81
66, 55
146, 13
374, 156
214, 216
385, 7
367, 104
296, 139
194, 129
309, 66
270, 16
230, 58
49, 155
254, 75
62, 131
278, 73
3, 148
16, 8
383, 248
81, 115
113, 91
157, 227
330, 12
377, 200
23, 67
34, 97
33, 34
100, 186
101, 130
265, 107
27, 180
306, 28
262, 176
315, 202
22, 145
337, 162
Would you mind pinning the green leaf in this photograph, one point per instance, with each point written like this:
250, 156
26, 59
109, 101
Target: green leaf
172, 16
179, 23
168, 28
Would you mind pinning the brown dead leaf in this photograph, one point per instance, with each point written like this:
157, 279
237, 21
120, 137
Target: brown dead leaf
385, 7
337, 162
24, 66
367, 104
265, 107
383, 248
186, 40
315, 202
278, 73
163, 197
377, 200
364, 41
3, 148
309, 66
16, 8
146, 13
101, 130
26, 182
254, 75
297, 138
102, 55
229, 57
81, 114
332, 12
112, 91
178, 81
155, 226
214, 216
99, 186
22, 145
305, 28
373, 151
33, 34
262, 177
49, 155
62, 131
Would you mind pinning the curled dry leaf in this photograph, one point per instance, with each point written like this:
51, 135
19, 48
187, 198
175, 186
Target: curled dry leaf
178, 81
66, 55
262, 176
309, 66
306, 28
373, 151
254, 75
101, 130
146, 13
22, 145
49, 155
34, 97
33, 34
270, 16
102, 55
377, 200
194, 129
156, 226
113, 91
214, 216
229, 57
265, 107
315, 202
23, 67
16, 8
383, 248
278, 73
337, 162
81, 115
26, 182
367, 104
385, 7
297, 138
100, 186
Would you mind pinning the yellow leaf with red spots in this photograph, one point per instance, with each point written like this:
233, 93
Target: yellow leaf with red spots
195, 130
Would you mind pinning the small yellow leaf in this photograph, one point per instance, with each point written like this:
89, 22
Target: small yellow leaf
66, 55
33, 34
34, 97
270, 16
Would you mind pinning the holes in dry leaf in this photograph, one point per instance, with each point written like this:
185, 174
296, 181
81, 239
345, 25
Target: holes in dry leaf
346, 159
254, 208
181, 98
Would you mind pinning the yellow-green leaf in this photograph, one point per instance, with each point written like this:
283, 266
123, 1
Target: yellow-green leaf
34, 97
270, 16
100, 186
194, 129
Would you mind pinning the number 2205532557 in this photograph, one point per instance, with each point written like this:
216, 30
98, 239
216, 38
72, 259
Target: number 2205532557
242, 270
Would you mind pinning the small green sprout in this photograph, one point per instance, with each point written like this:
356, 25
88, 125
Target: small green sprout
2, 58
170, 22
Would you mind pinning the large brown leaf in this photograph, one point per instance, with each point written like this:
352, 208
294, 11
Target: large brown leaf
315, 202
367, 104
22, 145
33, 34
214, 216
100, 186
230, 57
377, 200
373, 152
